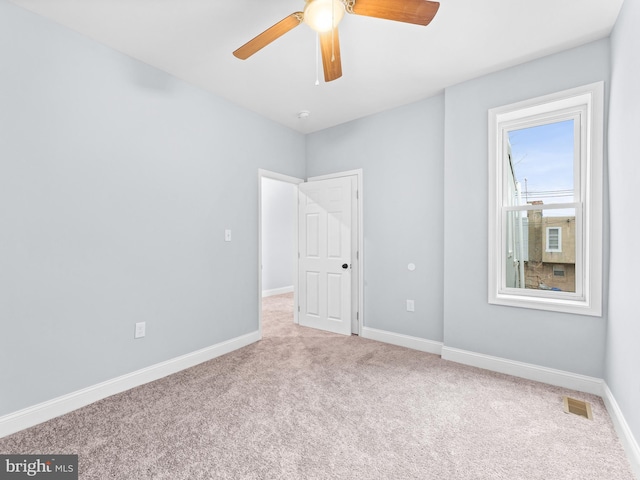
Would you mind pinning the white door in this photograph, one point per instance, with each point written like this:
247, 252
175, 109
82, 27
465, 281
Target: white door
324, 268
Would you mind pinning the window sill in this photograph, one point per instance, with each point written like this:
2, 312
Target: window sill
576, 305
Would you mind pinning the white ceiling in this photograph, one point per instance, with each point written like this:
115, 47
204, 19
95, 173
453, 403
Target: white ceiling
385, 64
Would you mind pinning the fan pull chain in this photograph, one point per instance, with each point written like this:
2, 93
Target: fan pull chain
333, 47
317, 59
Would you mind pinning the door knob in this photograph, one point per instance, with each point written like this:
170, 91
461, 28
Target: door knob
345, 266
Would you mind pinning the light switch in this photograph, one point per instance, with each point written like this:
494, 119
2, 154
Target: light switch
141, 330
227, 235
411, 307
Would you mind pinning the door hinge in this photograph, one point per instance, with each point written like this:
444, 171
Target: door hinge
357, 194
357, 315
298, 254
357, 255
298, 308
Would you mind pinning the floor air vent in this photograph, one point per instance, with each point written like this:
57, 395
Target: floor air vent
577, 407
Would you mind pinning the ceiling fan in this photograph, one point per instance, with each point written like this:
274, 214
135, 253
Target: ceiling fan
323, 16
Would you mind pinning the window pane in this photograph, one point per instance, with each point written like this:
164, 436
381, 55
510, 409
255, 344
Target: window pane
542, 162
554, 242
541, 249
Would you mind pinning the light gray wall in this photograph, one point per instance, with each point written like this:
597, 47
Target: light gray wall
116, 184
623, 352
400, 152
567, 342
278, 209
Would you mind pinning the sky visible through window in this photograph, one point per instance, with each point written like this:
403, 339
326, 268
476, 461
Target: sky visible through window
543, 161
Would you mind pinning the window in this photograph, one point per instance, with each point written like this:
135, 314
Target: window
558, 270
554, 239
545, 202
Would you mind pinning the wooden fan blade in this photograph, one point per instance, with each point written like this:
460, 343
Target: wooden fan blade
419, 12
330, 48
269, 35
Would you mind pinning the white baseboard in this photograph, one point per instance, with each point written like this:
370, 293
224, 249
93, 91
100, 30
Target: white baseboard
42, 412
559, 378
407, 341
277, 291
631, 447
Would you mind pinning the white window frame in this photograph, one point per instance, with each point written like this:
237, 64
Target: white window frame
554, 250
586, 106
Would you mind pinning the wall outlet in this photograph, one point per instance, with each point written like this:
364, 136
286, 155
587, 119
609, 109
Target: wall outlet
141, 330
411, 307
227, 235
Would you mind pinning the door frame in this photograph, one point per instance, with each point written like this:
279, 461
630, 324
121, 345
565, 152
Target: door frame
358, 292
294, 206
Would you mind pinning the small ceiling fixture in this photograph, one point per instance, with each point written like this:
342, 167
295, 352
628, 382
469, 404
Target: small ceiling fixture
323, 16
303, 114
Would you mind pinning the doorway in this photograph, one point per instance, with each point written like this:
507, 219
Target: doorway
277, 241
280, 263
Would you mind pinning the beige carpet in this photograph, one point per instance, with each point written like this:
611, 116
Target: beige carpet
304, 404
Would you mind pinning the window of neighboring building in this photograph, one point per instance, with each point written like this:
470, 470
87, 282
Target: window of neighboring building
545, 202
558, 271
554, 239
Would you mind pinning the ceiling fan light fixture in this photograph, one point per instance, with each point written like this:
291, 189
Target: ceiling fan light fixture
323, 15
